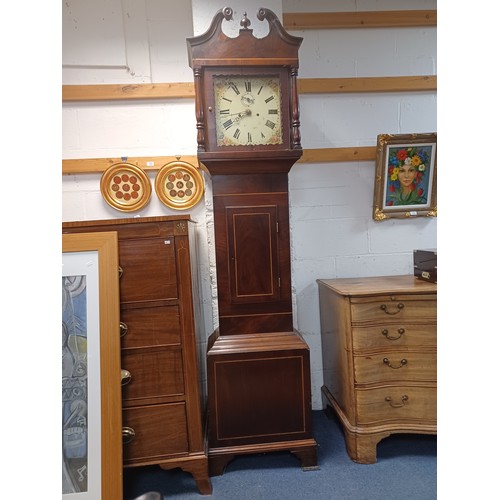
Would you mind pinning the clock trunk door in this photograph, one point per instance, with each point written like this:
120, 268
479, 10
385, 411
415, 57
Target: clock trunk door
253, 253
253, 258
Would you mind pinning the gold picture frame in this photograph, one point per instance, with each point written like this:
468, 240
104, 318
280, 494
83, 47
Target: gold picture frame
405, 176
125, 187
179, 185
91, 375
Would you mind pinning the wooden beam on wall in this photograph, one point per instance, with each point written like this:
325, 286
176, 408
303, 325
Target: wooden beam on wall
367, 84
112, 92
332, 155
325, 155
182, 90
99, 165
338, 20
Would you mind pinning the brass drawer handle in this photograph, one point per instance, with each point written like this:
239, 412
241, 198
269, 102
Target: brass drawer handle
120, 271
403, 362
126, 377
123, 329
385, 333
399, 309
128, 435
404, 400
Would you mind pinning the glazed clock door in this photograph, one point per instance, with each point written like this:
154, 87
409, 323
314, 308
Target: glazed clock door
247, 110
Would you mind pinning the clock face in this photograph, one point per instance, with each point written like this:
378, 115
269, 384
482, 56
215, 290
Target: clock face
247, 110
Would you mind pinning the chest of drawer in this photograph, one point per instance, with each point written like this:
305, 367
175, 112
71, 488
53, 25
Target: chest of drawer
154, 374
396, 404
389, 308
393, 335
395, 366
148, 432
150, 326
148, 270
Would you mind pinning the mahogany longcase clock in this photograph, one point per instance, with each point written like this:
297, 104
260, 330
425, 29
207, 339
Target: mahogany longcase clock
247, 119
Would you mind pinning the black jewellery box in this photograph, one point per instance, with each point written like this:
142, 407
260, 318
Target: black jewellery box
425, 265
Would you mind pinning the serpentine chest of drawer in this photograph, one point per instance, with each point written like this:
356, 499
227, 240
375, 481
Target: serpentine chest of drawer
159, 325
378, 339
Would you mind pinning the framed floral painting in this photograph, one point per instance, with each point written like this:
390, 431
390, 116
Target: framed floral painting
405, 176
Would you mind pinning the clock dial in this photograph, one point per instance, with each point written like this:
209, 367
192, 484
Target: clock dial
247, 110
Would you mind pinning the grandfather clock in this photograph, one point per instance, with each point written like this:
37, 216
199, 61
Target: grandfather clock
247, 119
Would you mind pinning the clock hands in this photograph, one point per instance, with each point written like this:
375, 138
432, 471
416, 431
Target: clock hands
241, 114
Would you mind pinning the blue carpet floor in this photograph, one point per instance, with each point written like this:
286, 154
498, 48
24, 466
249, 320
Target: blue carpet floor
406, 468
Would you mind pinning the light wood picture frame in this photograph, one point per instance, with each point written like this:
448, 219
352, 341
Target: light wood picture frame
405, 176
91, 376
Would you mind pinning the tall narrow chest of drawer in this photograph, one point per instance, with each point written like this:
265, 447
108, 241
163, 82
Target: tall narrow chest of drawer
378, 339
160, 337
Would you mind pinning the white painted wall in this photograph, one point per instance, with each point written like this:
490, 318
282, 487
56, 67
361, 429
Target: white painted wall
332, 232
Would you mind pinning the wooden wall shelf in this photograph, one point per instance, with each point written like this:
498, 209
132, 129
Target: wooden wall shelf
338, 20
183, 90
324, 155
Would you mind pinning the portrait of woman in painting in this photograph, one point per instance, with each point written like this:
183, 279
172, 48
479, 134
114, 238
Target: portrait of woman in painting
408, 176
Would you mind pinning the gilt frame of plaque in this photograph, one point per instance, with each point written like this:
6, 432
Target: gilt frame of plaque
179, 185
405, 176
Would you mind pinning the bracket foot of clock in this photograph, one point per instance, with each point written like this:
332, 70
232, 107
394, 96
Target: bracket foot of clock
304, 450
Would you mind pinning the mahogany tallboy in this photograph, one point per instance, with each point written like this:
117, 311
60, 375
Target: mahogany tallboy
159, 328
379, 358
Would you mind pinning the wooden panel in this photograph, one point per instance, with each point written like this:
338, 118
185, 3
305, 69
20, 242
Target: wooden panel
154, 281
400, 366
259, 398
328, 155
398, 334
393, 308
367, 84
256, 323
374, 405
160, 430
112, 92
373, 19
155, 374
99, 165
151, 326
247, 308
252, 244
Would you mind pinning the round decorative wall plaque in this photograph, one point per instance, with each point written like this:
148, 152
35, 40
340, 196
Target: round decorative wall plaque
125, 187
179, 185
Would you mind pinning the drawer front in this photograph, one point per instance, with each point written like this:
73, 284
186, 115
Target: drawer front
153, 374
150, 327
395, 366
148, 270
393, 308
154, 431
388, 335
397, 404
